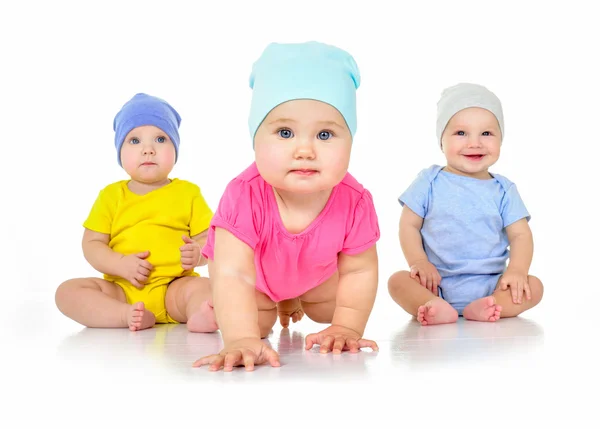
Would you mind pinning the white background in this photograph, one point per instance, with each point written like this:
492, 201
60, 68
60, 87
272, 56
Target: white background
67, 68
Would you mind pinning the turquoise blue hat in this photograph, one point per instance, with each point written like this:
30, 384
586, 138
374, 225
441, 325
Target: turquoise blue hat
310, 70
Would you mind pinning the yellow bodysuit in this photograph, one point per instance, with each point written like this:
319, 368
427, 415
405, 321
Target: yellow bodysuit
153, 222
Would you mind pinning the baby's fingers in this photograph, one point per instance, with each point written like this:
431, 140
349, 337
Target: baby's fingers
211, 359
136, 283
231, 360
249, 357
514, 292
311, 340
142, 271
326, 344
362, 343
272, 357
338, 345
430, 282
145, 264
527, 291
187, 248
352, 345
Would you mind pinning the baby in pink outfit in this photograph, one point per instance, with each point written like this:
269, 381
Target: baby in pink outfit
295, 232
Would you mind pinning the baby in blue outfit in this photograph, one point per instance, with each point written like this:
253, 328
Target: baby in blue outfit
458, 223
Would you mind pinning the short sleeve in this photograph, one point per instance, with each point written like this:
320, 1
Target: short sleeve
239, 212
416, 196
364, 232
201, 214
512, 207
101, 215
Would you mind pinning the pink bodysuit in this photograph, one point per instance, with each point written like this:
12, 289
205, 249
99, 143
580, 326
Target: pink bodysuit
288, 265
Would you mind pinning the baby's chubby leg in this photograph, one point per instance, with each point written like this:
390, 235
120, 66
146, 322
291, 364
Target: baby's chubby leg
319, 303
189, 300
509, 308
417, 300
98, 303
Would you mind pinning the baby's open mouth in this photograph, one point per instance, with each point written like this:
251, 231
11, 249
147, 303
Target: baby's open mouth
474, 157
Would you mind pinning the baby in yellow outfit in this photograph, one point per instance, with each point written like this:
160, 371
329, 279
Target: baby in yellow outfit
144, 234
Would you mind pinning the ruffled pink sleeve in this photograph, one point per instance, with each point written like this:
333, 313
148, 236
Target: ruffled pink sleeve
364, 230
239, 212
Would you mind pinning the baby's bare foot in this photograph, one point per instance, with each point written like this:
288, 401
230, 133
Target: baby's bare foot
203, 320
436, 312
483, 310
139, 318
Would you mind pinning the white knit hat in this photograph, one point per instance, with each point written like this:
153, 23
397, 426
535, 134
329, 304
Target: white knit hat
462, 96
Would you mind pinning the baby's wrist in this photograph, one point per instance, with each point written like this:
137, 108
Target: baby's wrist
516, 270
417, 261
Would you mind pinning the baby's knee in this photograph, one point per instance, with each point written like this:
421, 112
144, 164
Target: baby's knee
537, 289
65, 289
397, 281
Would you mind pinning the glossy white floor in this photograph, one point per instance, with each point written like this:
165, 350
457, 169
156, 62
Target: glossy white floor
523, 370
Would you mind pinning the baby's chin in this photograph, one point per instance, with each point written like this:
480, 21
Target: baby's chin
149, 179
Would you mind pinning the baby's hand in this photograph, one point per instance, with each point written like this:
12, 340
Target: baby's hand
290, 308
243, 352
190, 253
428, 275
338, 339
136, 269
517, 282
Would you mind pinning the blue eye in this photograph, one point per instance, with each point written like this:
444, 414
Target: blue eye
486, 133
460, 133
161, 139
325, 135
134, 141
285, 133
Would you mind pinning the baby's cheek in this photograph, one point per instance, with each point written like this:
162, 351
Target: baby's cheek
129, 162
167, 155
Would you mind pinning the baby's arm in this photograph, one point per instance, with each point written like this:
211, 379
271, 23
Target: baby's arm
412, 247
233, 280
521, 246
410, 236
357, 289
96, 251
520, 239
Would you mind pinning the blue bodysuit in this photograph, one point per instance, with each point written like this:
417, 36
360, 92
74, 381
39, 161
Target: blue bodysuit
464, 229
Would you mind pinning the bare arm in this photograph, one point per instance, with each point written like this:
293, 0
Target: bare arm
98, 254
233, 280
356, 290
410, 236
201, 240
521, 246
